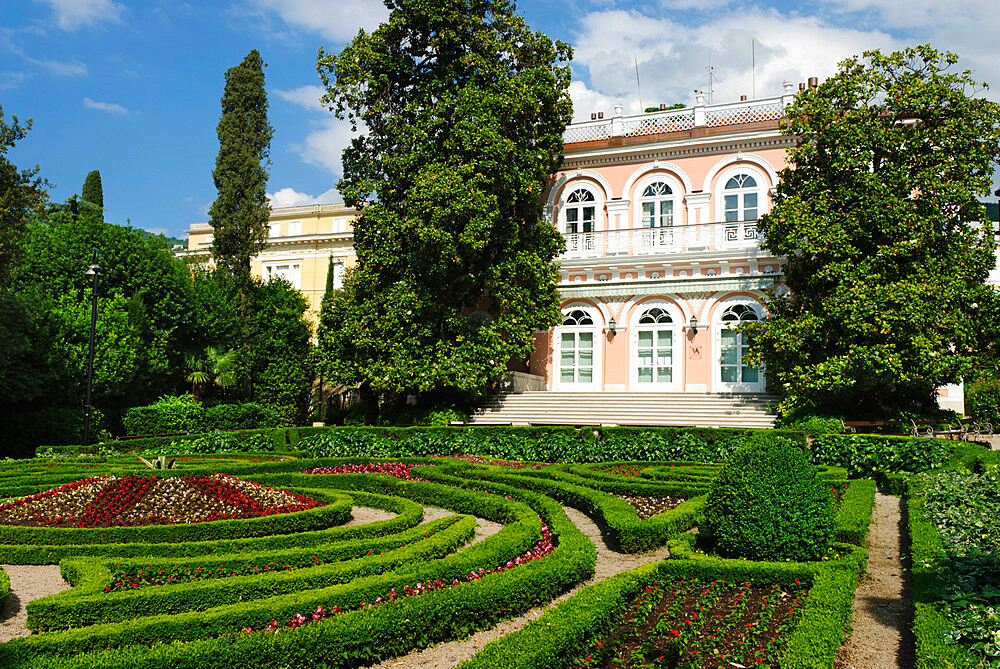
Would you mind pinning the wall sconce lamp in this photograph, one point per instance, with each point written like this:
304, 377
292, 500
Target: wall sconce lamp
612, 326
693, 324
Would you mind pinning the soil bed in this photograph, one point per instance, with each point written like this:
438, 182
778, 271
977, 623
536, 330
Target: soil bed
647, 507
700, 625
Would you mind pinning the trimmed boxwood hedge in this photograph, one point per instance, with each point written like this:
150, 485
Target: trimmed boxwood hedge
390, 629
572, 626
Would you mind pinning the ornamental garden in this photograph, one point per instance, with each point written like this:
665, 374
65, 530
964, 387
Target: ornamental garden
346, 547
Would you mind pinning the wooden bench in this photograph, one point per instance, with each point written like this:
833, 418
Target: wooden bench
851, 426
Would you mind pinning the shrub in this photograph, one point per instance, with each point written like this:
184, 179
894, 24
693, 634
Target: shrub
864, 454
179, 413
217, 442
982, 401
769, 504
183, 414
247, 416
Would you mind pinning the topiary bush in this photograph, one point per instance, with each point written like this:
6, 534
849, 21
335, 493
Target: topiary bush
769, 504
982, 401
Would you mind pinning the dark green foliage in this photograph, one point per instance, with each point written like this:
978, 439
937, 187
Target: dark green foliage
458, 140
22, 196
982, 401
240, 213
874, 215
865, 454
183, 414
769, 504
93, 190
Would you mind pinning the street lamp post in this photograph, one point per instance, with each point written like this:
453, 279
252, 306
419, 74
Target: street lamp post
93, 271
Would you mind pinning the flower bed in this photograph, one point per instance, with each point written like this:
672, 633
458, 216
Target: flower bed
129, 500
647, 507
700, 624
397, 469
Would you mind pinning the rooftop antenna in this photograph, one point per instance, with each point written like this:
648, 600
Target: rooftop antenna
711, 73
637, 86
753, 69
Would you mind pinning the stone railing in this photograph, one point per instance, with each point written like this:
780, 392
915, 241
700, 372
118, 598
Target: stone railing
666, 240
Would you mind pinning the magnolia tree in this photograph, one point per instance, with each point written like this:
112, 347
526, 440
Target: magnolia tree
879, 220
460, 110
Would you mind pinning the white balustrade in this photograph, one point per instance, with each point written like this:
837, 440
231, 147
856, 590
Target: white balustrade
663, 240
675, 120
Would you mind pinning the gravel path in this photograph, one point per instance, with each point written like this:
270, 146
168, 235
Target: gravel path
362, 515
27, 582
452, 653
882, 603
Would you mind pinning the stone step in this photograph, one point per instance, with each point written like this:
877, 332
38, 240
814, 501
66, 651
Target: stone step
617, 408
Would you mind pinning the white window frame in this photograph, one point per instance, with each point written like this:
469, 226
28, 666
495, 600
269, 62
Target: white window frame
717, 327
272, 268
338, 275
274, 229
676, 327
741, 233
294, 228
596, 379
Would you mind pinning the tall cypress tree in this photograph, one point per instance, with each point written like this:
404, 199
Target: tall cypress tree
240, 213
93, 190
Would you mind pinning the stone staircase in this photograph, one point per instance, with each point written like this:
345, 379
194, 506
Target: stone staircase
609, 408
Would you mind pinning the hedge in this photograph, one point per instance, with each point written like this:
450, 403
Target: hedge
572, 626
854, 515
389, 629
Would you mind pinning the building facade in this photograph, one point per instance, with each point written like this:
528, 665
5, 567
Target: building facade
299, 247
663, 259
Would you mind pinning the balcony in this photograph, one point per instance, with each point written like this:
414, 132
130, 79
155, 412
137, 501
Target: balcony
703, 237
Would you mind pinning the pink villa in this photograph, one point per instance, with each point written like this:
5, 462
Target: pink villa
662, 260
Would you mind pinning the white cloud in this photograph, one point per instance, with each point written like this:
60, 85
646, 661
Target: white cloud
304, 96
338, 20
289, 197
59, 68
324, 146
11, 79
109, 107
672, 57
73, 14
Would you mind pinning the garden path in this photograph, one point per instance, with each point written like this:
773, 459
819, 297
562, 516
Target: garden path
452, 653
883, 607
27, 582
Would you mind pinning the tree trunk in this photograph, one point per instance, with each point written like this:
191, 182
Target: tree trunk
369, 402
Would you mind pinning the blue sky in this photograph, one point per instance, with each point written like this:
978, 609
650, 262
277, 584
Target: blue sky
133, 88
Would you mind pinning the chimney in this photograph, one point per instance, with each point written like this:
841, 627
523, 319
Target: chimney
743, 98
663, 105
593, 116
802, 86
600, 114
813, 82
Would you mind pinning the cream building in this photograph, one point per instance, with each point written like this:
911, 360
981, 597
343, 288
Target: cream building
299, 247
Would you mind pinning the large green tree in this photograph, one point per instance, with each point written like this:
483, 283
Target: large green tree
22, 198
876, 217
460, 110
93, 189
240, 213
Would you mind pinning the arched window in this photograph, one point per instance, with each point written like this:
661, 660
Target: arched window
733, 347
578, 348
657, 205
655, 315
740, 198
581, 211
578, 317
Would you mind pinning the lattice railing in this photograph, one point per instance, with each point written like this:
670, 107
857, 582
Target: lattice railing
743, 113
653, 124
587, 132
